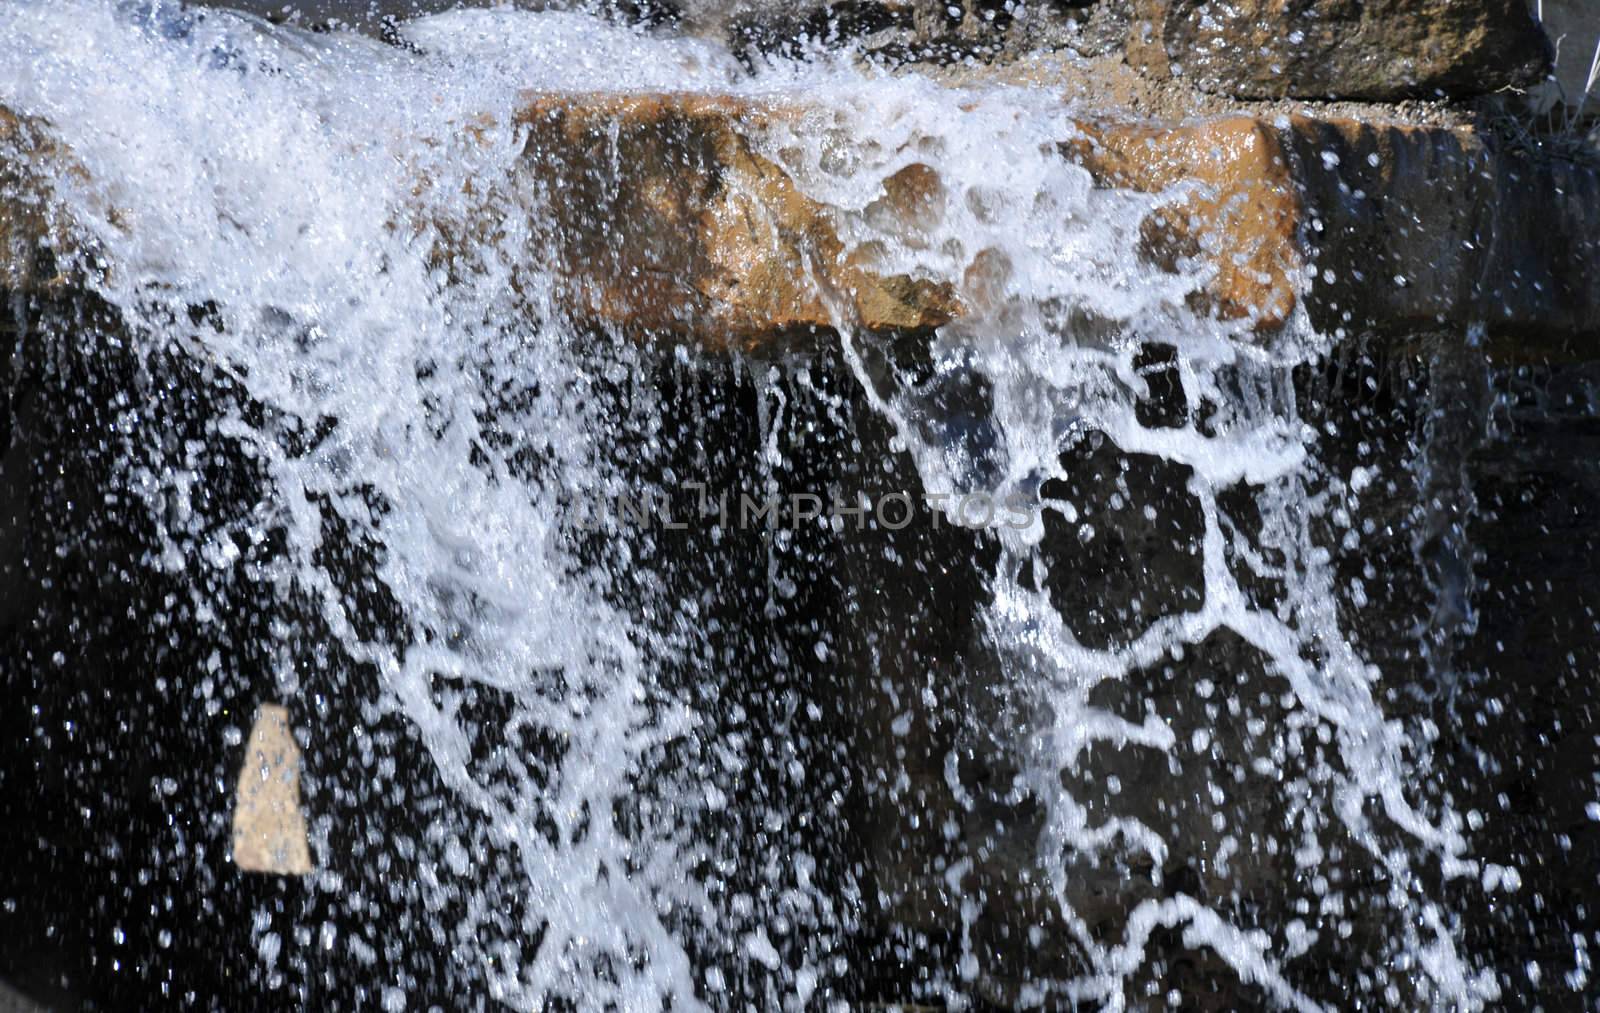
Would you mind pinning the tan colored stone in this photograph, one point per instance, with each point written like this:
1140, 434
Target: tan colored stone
269, 828
913, 202
667, 223
671, 225
28, 237
1243, 220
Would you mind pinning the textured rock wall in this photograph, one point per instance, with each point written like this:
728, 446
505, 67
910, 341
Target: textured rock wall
685, 233
668, 224
693, 237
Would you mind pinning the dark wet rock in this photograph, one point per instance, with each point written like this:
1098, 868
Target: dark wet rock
1119, 563
900, 32
1411, 230
1381, 49
1574, 27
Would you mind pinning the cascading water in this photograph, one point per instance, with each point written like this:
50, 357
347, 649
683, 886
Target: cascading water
326, 275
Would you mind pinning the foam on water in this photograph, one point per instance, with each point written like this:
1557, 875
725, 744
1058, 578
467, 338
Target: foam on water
1053, 385
298, 184
271, 174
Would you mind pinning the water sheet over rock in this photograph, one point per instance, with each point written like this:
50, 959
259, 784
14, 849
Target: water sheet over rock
672, 218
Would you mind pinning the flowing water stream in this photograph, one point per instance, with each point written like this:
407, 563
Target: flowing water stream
263, 210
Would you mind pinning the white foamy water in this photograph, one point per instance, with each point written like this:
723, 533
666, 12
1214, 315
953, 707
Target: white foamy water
1068, 247
299, 184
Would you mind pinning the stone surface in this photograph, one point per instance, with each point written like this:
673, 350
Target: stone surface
918, 617
269, 829
1418, 230
1407, 229
668, 223
26, 227
1377, 49
1379, 229
12, 1001
1574, 29
1244, 219
670, 226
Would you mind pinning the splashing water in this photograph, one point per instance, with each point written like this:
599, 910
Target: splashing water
435, 410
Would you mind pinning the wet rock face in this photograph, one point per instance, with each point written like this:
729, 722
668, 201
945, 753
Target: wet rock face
672, 227
1577, 24
907, 31
1244, 217
1372, 228
1408, 229
670, 224
26, 228
1380, 49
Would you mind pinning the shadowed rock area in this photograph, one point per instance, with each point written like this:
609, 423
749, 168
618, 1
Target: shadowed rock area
893, 767
1379, 49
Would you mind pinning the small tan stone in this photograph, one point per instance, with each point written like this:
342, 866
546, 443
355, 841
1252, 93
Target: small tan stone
269, 828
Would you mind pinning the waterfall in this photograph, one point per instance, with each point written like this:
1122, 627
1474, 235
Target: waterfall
320, 262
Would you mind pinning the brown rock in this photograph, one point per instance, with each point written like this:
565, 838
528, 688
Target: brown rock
269, 830
668, 223
665, 223
29, 238
1381, 229
1369, 49
1244, 220
913, 202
